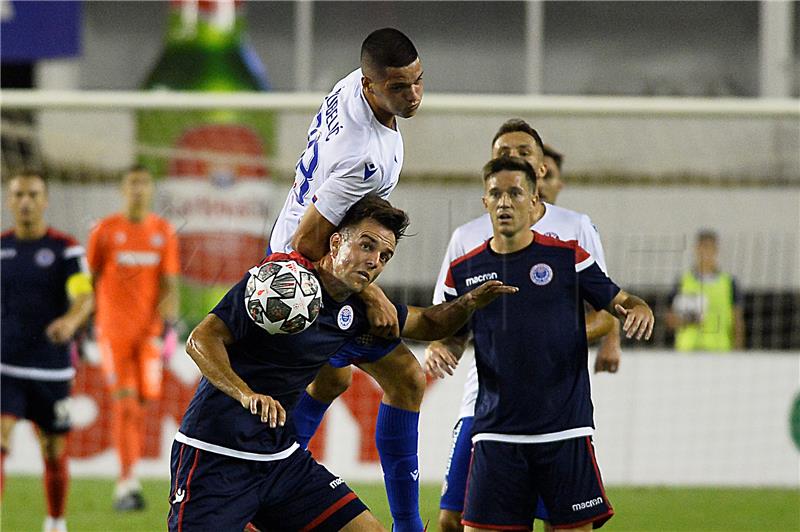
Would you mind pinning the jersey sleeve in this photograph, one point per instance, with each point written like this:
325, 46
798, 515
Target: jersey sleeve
231, 310
74, 257
589, 239
349, 181
171, 264
595, 286
94, 249
454, 250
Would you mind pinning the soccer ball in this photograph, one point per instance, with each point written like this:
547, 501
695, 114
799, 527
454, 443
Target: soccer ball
282, 297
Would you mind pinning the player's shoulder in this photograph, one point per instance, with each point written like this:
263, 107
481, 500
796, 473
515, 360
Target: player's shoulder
552, 242
471, 254
566, 215
7, 235
159, 223
64, 239
108, 222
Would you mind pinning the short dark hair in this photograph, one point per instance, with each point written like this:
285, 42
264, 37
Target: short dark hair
511, 164
387, 47
517, 124
551, 152
706, 235
374, 207
26, 173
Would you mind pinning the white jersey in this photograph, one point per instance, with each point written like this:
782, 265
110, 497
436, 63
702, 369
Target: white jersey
348, 155
556, 222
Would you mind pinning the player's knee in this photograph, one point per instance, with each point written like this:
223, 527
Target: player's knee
53, 445
6, 429
330, 383
450, 521
407, 389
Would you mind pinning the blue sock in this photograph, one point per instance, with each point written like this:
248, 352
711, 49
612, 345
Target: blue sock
306, 416
396, 438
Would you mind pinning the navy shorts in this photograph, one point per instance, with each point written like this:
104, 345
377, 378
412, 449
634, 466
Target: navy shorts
507, 479
455, 477
364, 348
214, 492
43, 402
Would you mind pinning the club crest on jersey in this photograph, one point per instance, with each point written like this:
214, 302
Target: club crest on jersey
44, 257
369, 170
541, 274
345, 317
157, 240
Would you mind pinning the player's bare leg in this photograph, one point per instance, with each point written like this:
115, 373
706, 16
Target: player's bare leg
330, 383
400, 377
364, 522
127, 413
56, 479
450, 521
7, 424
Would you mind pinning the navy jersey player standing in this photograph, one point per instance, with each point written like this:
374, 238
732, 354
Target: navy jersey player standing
236, 458
46, 298
534, 418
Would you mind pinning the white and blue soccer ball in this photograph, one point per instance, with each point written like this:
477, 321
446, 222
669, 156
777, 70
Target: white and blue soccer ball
282, 297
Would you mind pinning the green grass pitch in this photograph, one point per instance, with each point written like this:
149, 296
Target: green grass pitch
639, 509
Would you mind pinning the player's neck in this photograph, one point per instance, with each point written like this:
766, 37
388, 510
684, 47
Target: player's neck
387, 119
538, 212
31, 231
504, 244
334, 287
136, 215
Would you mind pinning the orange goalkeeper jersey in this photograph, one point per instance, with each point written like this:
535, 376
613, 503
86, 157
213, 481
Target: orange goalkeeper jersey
128, 260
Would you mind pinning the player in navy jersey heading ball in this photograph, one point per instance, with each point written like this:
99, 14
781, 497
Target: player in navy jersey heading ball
46, 298
534, 416
236, 458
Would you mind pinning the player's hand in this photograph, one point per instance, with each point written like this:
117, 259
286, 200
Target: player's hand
439, 360
488, 292
169, 342
381, 313
608, 357
268, 408
639, 321
61, 330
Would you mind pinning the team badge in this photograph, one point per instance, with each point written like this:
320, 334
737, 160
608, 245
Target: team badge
345, 317
157, 240
552, 235
45, 257
541, 274
119, 237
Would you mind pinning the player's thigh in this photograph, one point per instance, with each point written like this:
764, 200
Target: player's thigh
209, 491
499, 490
400, 376
118, 362
49, 408
53, 445
13, 405
330, 383
149, 368
364, 522
455, 476
304, 495
568, 480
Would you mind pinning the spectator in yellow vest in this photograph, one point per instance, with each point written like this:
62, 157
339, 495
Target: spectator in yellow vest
706, 308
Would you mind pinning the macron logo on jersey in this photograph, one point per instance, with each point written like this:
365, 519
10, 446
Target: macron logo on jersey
482, 278
369, 170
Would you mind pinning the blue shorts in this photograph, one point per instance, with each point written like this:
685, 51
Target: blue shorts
42, 402
364, 348
507, 479
455, 477
214, 492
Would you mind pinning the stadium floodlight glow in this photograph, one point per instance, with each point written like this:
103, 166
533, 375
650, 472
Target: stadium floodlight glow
542, 105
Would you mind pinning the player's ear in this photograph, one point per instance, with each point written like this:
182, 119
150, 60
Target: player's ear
485, 203
366, 84
334, 243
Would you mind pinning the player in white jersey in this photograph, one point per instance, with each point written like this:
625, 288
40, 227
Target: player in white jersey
514, 138
354, 147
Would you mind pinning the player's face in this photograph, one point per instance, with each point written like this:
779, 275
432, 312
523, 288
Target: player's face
398, 92
509, 201
707, 253
520, 144
360, 253
137, 187
550, 186
27, 199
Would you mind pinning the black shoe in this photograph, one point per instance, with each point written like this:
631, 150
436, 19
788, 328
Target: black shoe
132, 502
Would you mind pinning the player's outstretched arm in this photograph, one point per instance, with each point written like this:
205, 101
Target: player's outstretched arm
206, 346
636, 315
445, 319
312, 235
442, 356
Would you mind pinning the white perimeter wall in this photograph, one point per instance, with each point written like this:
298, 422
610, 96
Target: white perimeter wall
665, 419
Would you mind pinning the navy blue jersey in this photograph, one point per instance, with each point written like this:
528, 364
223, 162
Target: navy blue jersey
280, 366
530, 347
34, 292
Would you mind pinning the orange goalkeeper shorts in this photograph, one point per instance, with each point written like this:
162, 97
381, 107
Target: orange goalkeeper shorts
132, 364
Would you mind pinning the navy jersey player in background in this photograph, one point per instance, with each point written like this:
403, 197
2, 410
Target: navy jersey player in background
534, 417
236, 459
354, 147
46, 298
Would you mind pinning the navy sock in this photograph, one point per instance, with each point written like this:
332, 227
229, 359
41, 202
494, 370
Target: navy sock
307, 415
396, 438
